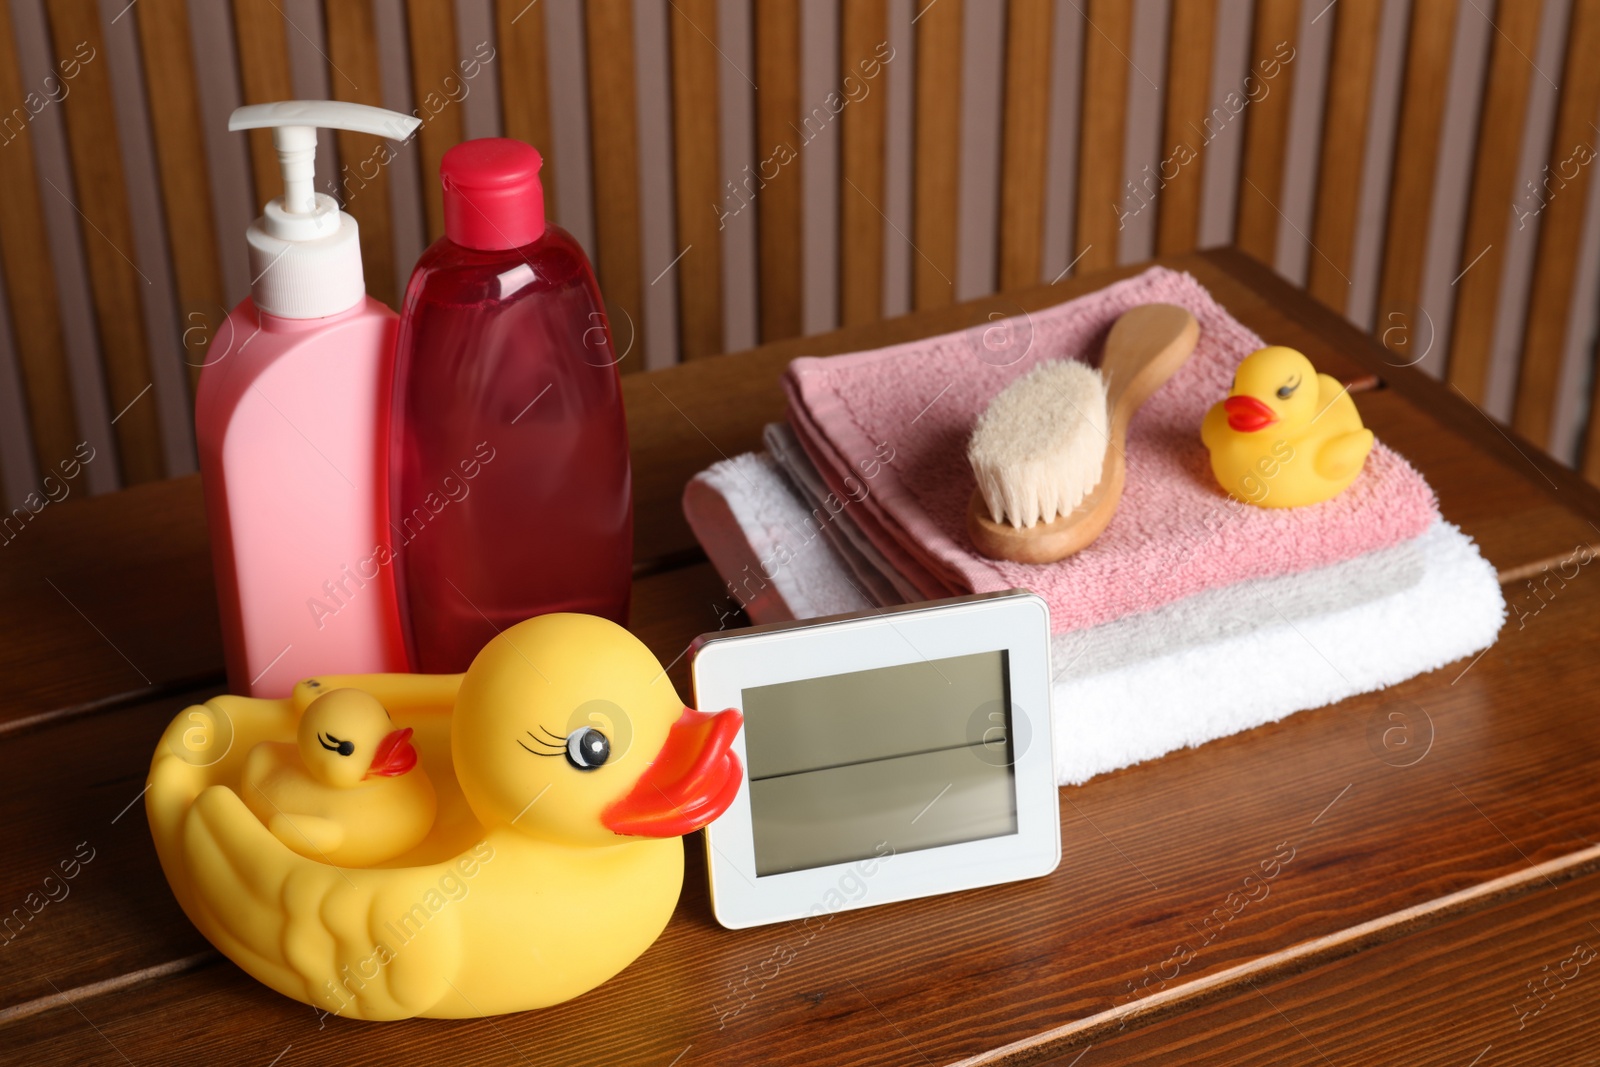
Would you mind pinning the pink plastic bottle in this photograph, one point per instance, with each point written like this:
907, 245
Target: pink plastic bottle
291, 419
510, 487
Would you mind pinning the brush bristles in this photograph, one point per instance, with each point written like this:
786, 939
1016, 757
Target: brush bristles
1039, 447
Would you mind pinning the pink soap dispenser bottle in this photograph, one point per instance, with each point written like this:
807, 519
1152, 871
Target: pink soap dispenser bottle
509, 482
291, 419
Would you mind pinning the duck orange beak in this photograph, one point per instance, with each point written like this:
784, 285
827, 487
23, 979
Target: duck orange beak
1246, 414
693, 779
395, 755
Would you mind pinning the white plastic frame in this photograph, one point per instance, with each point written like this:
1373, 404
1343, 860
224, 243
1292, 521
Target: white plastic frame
726, 664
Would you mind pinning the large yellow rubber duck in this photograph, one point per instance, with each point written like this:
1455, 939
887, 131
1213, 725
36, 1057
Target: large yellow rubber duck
566, 767
347, 791
1285, 436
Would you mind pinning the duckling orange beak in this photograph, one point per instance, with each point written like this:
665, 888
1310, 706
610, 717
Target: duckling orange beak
693, 779
1246, 414
395, 755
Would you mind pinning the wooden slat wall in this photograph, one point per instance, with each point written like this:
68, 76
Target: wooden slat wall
1025, 140
777, 207
864, 31
613, 124
1560, 226
30, 283
1493, 190
363, 177
169, 78
1344, 141
432, 25
613, 50
695, 108
100, 197
936, 168
1428, 48
1266, 132
1189, 58
1102, 128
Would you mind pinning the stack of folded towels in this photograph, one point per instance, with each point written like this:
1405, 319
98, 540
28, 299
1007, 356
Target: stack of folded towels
1192, 617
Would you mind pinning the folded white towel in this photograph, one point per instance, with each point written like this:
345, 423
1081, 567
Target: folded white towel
1147, 684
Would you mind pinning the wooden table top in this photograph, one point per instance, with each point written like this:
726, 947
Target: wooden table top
1420, 911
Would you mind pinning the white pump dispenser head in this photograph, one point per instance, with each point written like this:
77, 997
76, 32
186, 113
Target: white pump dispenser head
305, 254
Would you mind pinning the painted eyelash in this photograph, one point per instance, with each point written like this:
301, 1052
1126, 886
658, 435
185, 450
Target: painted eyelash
560, 751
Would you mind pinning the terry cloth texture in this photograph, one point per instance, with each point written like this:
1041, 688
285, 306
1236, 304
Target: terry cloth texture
1162, 679
890, 427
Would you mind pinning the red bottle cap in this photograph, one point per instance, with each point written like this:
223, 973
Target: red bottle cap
492, 196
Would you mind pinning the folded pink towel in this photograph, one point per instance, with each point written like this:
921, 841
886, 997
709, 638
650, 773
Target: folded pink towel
888, 430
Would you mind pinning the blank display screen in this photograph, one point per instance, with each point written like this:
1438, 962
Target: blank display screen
913, 756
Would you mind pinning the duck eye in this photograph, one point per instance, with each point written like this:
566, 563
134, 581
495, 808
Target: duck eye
333, 744
587, 748
1286, 391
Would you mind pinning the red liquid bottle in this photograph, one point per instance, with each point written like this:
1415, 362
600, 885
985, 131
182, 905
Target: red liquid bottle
510, 490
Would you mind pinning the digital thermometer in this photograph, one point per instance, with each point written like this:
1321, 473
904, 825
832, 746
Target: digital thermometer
889, 754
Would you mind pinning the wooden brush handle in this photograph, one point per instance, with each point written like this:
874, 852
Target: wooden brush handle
1147, 344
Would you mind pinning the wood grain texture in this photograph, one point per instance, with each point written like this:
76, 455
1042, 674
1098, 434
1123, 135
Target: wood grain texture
1438, 996
523, 70
1025, 141
179, 134
1339, 832
696, 66
1266, 130
432, 34
100, 197
614, 140
363, 178
1102, 129
1416, 160
864, 36
262, 41
30, 280
1344, 141
1494, 173
1559, 206
936, 163
778, 183
1190, 51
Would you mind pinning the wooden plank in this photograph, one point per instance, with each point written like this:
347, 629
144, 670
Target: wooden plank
613, 133
30, 280
778, 190
1025, 140
174, 95
524, 75
100, 196
432, 26
363, 179
1441, 995
1190, 51
1504, 782
936, 166
864, 149
1416, 161
1266, 132
696, 67
1559, 208
260, 36
1344, 140
1494, 177
1102, 125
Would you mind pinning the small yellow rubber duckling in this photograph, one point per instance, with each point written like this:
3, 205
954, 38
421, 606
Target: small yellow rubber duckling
348, 791
1286, 436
